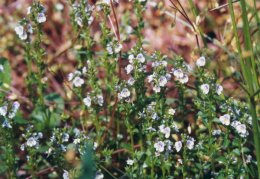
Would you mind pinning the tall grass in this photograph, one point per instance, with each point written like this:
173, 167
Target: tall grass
249, 70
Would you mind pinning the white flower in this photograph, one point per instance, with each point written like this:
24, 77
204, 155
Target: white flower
190, 143
219, 89
159, 146
22, 147
201, 61
130, 162
118, 48
129, 68
6, 124
162, 81
70, 76
100, 100
78, 82
84, 70
19, 30
125, 93
3, 110
241, 129
150, 78
140, 58
216, 132
95, 145
225, 119
184, 79
90, 20
99, 176
29, 10
78, 20
204, 88
157, 89
1, 68
131, 81
109, 49
165, 130
65, 174
178, 146
32, 141
65, 137
171, 111
76, 141
41, 17
249, 158
23, 36
178, 73
87, 101
131, 58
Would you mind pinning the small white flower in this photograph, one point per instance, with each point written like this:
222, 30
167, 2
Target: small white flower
241, 129
66, 174
249, 158
178, 146
171, 111
41, 17
150, 78
100, 100
162, 81
99, 176
204, 88
201, 61
157, 89
219, 89
23, 36
90, 20
87, 101
70, 76
78, 82
22, 147
180, 161
1, 68
65, 137
125, 93
6, 124
140, 58
129, 68
19, 30
131, 81
190, 143
84, 70
118, 48
225, 119
130, 162
32, 141
109, 49
131, 58
95, 145
29, 10
76, 141
79, 21
165, 130
3, 110
159, 146
216, 132
184, 79
178, 73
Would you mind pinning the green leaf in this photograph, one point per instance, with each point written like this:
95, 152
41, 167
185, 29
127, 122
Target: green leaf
5, 75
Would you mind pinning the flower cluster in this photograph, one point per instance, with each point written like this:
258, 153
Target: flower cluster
8, 112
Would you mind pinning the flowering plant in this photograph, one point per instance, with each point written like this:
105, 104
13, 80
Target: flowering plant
135, 113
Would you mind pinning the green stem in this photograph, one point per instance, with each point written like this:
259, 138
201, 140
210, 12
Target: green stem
255, 132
